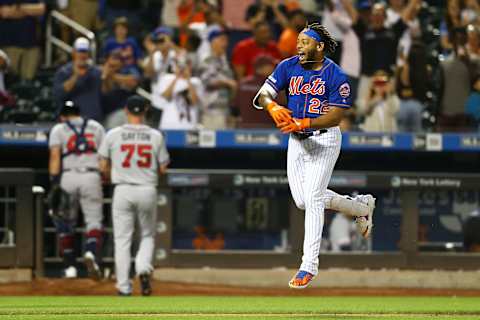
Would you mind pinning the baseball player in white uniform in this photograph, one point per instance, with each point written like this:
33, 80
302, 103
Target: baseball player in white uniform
318, 93
73, 164
135, 155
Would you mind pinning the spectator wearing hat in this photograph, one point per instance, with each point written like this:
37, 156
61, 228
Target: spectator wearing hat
119, 81
247, 50
130, 50
161, 60
219, 81
80, 82
248, 88
19, 29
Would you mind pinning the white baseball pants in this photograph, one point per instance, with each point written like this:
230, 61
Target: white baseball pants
85, 188
310, 164
131, 202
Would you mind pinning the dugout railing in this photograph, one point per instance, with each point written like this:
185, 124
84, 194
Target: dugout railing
408, 255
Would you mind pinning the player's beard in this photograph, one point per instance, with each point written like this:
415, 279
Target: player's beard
309, 59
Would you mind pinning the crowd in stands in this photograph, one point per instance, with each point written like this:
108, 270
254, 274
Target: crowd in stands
413, 65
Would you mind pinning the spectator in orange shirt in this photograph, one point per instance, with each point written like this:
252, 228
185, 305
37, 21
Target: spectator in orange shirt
247, 50
287, 44
190, 11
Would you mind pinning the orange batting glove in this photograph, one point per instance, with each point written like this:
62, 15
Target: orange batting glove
279, 114
295, 125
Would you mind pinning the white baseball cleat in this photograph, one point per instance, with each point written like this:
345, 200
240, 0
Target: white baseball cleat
70, 272
365, 224
92, 266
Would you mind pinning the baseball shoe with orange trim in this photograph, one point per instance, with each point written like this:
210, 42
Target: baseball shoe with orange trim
365, 224
301, 280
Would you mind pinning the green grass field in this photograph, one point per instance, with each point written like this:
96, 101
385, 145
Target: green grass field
251, 307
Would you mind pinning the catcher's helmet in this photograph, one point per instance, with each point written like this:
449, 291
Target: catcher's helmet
70, 108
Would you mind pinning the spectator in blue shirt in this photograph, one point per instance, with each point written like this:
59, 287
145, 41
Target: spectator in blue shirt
129, 47
19, 30
80, 82
119, 81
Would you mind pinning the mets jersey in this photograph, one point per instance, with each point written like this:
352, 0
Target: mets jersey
135, 151
311, 92
67, 136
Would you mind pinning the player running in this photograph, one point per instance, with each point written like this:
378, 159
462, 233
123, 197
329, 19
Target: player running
135, 154
318, 95
73, 168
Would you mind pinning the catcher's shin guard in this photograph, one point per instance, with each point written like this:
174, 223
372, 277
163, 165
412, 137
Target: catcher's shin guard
67, 249
94, 241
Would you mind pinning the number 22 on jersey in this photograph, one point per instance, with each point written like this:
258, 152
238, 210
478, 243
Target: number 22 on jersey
143, 151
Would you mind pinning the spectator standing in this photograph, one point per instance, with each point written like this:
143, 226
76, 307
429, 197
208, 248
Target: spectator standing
80, 82
248, 88
213, 21
412, 79
247, 50
287, 43
378, 43
219, 82
269, 11
450, 24
161, 60
473, 42
19, 28
83, 12
394, 13
455, 89
119, 81
335, 11
471, 12
382, 105
5, 97
180, 99
130, 50
113, 9
350, 58
190, 12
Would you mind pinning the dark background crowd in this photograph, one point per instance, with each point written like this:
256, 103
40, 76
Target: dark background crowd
413, 64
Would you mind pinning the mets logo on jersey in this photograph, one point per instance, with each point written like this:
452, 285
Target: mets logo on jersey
344, 90
297, 87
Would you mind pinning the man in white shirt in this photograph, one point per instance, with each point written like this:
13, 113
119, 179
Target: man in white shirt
179, 96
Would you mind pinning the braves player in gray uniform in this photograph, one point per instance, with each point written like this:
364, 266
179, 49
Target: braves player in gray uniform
318, 94
134, 154
73, 164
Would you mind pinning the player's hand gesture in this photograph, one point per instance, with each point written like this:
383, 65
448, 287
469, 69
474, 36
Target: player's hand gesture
295, 125
279, 114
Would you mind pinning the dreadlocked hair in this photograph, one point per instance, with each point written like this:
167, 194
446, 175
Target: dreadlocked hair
330, 43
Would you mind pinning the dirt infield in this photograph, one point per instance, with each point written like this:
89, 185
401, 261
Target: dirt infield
79, 287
